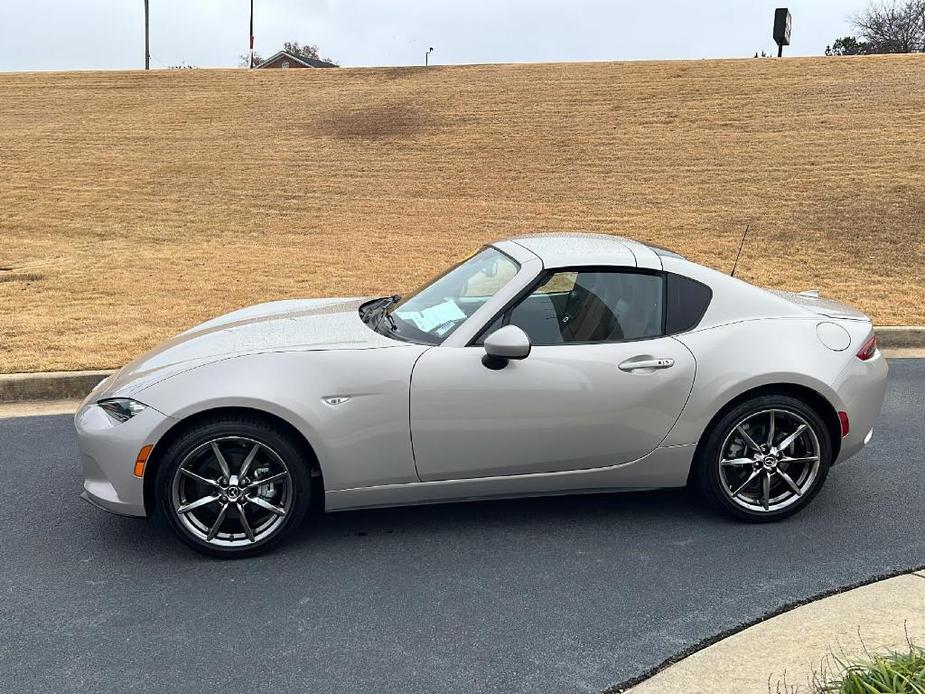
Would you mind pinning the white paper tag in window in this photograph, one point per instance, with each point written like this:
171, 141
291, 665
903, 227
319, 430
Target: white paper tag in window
430, 318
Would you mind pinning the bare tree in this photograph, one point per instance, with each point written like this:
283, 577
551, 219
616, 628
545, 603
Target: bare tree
309, 51
892, 27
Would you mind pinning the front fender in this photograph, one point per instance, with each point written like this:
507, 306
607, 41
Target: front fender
363, 440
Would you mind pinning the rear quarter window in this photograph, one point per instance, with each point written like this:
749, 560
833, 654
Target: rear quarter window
687, 302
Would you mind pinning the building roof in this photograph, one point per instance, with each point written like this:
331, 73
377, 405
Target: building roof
305, 62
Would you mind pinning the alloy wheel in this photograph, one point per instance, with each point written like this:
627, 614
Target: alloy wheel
232, 491
769, 460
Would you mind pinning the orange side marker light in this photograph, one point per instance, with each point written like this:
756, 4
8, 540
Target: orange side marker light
142, 460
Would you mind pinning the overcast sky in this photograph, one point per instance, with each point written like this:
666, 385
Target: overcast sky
108, 34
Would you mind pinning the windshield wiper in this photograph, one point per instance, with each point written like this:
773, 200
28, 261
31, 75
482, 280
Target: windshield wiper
379, 308
388, 317
375, 305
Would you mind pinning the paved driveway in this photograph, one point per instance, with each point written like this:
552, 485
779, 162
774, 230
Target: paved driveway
567, 594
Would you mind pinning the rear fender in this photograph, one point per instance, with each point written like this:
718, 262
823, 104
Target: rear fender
739, 357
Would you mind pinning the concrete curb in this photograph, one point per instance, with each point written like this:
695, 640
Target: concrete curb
795, 646
901, 336
70, 385
48, 385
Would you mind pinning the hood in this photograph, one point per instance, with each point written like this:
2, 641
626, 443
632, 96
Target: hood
303, 324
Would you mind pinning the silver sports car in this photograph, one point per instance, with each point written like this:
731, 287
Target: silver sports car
547, 364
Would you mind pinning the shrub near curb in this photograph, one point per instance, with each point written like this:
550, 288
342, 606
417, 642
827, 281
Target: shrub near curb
897, 672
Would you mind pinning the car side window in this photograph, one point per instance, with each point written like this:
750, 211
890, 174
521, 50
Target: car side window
687, 302
593, 306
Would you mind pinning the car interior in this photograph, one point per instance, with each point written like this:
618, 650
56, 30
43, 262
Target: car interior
597, 307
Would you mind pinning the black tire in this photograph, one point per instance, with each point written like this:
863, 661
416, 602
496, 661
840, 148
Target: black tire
237, 434
709, 472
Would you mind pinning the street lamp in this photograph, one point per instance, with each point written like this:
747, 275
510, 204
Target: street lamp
427, 56
250, 54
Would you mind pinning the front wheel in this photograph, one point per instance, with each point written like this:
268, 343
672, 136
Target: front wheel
765, 459
233, 487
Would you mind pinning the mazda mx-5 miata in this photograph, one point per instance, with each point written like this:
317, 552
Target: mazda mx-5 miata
546, 364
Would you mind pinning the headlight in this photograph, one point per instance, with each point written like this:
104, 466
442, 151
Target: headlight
121, 409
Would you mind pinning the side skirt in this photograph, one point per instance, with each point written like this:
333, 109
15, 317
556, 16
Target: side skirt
663, 467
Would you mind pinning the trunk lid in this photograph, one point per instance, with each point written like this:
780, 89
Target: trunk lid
829, 308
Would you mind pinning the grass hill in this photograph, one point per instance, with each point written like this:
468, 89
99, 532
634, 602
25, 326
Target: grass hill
133, 205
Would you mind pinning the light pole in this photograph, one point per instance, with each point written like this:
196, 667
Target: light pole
147, 44
251, 34
427, 56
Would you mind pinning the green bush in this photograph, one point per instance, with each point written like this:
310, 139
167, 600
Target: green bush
897, 672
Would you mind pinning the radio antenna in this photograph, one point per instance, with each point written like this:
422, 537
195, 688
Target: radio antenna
741, 244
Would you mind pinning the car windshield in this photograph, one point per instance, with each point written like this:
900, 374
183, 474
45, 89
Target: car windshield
433, 312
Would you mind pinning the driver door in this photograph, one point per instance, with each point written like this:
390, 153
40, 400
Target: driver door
578, 401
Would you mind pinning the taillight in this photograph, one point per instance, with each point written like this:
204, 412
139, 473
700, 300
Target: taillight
868, 349
845, 426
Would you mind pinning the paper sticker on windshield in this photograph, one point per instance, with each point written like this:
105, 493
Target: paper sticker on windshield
447, 312
410, 316
430, 318
444, 329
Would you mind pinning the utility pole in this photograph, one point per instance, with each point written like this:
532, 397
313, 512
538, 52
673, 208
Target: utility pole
147, 43
251, 54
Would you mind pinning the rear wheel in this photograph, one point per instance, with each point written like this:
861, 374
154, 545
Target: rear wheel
233, 487
766, 458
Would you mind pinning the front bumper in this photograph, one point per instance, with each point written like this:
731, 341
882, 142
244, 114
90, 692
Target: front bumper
107, 454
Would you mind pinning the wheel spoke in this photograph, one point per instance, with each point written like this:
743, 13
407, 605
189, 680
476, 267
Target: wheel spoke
808, 459
771, 430
246, 465
263, 503
186, 508
213, 531
199, 478
790, 483
266, 480
766, 491
748, 439
787, 442
737, 461
746, 482
222, 463
248, 530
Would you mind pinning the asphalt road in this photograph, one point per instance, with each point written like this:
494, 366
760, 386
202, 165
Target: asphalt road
552, 595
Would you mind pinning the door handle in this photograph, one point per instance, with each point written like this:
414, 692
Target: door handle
638, 364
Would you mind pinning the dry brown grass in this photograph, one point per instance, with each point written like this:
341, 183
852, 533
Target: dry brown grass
134, 205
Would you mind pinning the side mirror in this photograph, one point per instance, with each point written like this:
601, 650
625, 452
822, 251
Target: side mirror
509, 342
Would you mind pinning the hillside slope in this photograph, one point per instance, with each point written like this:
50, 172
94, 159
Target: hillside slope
133, 205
